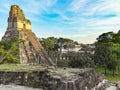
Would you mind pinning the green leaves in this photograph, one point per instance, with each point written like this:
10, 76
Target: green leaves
102, 54
109, 37
80, 60
106, 37
48, 44
53, 43
9, 51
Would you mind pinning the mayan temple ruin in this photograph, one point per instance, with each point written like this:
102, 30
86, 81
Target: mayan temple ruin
31, 51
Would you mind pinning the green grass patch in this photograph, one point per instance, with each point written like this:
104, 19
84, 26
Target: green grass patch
113, 79
11, 67
109, 75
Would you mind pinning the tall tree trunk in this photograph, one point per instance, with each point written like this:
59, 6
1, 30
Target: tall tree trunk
105, 70
113, 72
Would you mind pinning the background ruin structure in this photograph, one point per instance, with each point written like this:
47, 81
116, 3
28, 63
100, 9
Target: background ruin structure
31, 51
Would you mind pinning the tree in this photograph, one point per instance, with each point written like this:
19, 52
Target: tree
112, 65
106, 37
84, 45
115, 59
103, 54
116, 38
107, 51
48, 44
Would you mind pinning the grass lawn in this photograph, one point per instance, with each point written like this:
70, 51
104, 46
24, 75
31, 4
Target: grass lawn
20, 67
109, 74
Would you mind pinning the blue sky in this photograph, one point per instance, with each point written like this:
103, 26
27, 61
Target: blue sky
80, 20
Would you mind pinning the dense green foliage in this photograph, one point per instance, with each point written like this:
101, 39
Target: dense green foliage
81, 60
63, 63
9, 51
48, 44
53, 44
102, 55
107, 52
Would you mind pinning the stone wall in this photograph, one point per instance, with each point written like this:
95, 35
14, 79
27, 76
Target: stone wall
86, 79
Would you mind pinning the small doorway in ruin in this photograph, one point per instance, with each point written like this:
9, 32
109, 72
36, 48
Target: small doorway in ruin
23, 26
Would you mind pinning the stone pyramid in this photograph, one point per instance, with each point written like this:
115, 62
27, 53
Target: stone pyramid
31, 51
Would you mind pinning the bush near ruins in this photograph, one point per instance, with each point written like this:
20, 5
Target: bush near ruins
9, 51
81, 60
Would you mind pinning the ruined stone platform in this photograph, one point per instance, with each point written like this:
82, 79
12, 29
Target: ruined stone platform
49, 78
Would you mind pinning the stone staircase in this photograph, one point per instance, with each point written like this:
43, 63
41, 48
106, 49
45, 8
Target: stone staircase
32, 49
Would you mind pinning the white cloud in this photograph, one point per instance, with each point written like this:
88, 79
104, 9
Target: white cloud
36, 7
76, 5
110, 6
